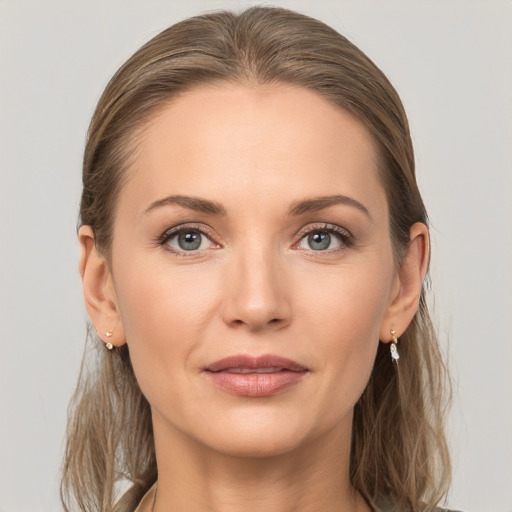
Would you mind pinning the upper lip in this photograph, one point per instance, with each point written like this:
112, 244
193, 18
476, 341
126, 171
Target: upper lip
255, 362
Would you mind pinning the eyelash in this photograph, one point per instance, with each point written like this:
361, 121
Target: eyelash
171, 233
342, 234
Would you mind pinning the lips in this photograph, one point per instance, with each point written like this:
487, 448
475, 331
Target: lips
259, 376
245, 362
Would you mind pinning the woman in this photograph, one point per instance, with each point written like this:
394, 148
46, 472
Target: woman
254, 249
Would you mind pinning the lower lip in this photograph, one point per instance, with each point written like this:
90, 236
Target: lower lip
255, 384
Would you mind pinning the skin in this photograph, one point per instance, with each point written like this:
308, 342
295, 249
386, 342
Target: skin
256, 286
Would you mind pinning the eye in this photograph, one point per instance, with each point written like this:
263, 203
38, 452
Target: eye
186, 239
319, 241
326, 238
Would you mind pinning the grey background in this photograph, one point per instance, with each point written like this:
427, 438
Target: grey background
451, 61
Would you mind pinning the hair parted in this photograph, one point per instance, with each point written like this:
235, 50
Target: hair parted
398, 445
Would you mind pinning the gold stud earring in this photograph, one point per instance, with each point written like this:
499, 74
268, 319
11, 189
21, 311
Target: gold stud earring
394, 349
109, 345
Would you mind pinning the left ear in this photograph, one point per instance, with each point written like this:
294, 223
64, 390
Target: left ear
410, 278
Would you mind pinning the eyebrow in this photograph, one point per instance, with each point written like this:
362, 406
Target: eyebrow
315, 204
192, 203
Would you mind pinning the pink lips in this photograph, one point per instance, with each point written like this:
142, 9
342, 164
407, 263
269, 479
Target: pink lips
255, 376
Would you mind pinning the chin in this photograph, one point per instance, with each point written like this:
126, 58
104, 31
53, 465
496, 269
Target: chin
258, 436
257, 445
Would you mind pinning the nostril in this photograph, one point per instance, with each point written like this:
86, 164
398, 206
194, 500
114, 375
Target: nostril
257, 324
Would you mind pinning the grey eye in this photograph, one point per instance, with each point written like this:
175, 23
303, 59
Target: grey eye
319, 241
322, 240
188, 240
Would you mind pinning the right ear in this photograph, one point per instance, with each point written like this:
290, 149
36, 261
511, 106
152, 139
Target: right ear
99, 292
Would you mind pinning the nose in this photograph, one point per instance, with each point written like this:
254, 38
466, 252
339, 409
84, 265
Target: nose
257, 294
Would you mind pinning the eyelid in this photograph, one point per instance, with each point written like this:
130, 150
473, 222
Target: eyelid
171, 232
344, 234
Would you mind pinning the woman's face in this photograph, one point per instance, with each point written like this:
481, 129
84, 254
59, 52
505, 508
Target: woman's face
253, 227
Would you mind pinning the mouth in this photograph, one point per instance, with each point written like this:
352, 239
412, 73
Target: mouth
259, 376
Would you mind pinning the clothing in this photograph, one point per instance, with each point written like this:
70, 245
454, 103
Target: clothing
146, 504
387, 505
147, 501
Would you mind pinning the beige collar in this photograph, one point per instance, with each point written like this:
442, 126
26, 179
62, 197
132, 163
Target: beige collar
147, 501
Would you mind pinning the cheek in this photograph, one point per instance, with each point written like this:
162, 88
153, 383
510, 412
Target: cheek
347, 299
342, 314
155, 296
164, 315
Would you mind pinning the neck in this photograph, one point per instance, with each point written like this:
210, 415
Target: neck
195, 478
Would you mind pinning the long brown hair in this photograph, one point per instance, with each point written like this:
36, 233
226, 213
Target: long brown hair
398, 444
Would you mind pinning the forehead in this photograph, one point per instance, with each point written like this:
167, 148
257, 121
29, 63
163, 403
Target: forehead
224, 140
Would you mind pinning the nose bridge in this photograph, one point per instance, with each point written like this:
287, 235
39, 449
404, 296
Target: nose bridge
257, 293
